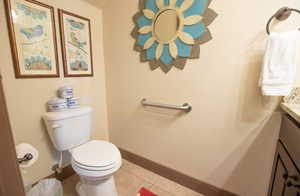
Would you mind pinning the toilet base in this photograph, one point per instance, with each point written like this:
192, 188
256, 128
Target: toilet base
104, 187
79, 189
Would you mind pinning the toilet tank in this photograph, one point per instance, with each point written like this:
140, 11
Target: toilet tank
70, 128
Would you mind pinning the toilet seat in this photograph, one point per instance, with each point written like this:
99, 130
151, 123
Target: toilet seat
96, 155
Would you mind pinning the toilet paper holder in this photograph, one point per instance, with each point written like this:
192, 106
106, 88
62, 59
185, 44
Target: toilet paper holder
25, 158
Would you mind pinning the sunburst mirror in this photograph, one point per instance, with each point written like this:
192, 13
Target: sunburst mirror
168, 32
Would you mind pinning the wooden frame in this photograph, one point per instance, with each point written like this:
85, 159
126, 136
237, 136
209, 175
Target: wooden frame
67, 73
13, 41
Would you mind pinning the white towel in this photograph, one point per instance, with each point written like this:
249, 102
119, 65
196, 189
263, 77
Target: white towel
279, 67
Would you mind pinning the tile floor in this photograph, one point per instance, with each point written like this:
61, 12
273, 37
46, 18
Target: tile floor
131, 178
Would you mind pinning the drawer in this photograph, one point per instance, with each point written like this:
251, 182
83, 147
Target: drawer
290, 138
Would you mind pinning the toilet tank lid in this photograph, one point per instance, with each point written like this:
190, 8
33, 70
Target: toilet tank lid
70, 113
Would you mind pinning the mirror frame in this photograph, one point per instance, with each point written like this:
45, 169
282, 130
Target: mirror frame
183, 45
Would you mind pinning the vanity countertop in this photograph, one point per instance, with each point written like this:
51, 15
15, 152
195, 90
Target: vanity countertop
292, 110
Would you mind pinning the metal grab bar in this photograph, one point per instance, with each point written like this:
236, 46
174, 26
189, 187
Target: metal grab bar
185, 107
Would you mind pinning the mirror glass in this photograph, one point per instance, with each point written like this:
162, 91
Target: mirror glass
166, 25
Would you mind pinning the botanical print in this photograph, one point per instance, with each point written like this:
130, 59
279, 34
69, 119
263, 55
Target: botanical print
34, 38
77, 44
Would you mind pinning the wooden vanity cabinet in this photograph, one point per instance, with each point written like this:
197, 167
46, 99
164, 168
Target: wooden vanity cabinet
285, 180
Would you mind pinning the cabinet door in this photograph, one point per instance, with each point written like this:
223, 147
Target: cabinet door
279, 180
286, 176
292, 191
292, 187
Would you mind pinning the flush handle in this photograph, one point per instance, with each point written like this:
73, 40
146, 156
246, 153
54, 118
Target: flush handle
55, 126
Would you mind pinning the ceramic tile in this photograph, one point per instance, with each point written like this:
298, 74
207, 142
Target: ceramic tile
142, 173
131, 178
174, 188
126, 182
166, 185
134, 191
160, 192
69, 185
183, 191
128, 166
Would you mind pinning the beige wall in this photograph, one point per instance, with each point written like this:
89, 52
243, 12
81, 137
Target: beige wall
26, 98
229, 138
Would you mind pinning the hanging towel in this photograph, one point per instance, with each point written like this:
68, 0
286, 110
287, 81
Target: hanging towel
279, 67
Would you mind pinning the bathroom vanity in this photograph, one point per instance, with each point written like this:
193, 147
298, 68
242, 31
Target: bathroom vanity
285, 180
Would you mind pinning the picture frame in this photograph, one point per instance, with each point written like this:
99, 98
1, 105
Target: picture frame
32, 34
76, 44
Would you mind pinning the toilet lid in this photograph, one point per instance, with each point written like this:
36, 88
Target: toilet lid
96, 154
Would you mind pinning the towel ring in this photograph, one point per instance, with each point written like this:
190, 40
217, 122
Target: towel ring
282, 14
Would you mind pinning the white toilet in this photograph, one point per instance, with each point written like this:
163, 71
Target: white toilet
95, 161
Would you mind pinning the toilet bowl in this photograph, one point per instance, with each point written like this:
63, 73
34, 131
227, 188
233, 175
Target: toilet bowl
95, 162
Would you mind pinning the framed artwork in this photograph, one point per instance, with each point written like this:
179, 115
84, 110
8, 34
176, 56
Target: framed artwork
76, 44
33, 40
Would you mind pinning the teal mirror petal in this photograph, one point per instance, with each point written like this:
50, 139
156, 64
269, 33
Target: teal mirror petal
166, 56
196, 30
183, 49
151, 51
143, 21
166, 2
197, 8
151, 5
142, 38
179, 3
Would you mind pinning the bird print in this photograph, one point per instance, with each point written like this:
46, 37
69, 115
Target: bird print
75, 24
30, 33
76, 42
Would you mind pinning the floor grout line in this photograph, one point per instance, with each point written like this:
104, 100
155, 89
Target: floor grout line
137, 177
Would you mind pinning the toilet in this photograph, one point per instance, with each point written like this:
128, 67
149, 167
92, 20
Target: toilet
95, 161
